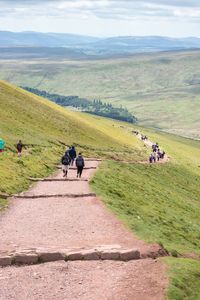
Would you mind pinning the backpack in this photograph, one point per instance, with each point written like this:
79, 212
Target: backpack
79, 162
66, 160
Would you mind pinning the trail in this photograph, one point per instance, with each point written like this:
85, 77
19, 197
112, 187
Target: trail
149, 144
84, 251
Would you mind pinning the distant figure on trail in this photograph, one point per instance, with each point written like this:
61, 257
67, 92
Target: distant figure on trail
159, 155
80, 164
66, 160
151, 158
72, 154
19, 148
2, 145
163, 154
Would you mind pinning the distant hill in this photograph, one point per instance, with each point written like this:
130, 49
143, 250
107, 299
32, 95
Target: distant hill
161, 90
39, 39
87, 46
24, 53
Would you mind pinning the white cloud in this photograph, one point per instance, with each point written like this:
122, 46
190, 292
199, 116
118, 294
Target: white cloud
79, 14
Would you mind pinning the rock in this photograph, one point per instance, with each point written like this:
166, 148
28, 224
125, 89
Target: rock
74, 255
129, 254
28, 259
50, 256
110, 255
91, 255
5, 261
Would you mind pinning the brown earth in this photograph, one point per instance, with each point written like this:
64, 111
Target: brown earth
74, 223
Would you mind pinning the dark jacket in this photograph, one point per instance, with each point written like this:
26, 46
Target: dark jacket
80, 161
66, 159
72, 153
19, 146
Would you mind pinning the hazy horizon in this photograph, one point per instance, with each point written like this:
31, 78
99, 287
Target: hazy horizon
105, 36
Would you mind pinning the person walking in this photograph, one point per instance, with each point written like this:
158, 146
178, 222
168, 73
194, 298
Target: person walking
66, 160
80, 164
19, 148
2, 145
151, 158
72, 154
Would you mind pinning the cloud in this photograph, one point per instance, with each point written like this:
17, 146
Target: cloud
103, 9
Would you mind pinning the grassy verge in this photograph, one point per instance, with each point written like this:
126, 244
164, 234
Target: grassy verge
160, 203
184, 277
3, 204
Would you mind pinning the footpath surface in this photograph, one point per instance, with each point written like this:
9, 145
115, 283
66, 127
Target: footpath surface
80, 249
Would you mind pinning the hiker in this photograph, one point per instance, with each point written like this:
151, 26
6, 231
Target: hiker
154, 148
19, 148
163, 154
159, 155
80, 164
2, 145
154, 157
72, 154
65, 163
151, 158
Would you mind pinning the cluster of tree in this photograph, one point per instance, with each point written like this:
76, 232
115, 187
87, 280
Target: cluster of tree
96, 107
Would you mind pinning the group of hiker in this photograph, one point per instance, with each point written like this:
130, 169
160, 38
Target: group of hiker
156, 154
19, 147
68, 160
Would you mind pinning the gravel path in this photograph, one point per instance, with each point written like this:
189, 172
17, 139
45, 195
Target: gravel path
108, 280
64, 222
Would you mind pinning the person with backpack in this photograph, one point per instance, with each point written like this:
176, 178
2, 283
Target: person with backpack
72, 154
80, 164
19, 148
66, 160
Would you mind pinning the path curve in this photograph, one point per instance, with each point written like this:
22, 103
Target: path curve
55, 223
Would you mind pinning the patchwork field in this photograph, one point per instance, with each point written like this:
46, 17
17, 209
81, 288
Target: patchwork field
162, 90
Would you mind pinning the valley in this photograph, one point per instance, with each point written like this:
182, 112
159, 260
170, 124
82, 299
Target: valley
161, 90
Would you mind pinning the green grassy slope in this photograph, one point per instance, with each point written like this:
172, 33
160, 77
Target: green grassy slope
163, 90
185, 279
44, 127
161, 203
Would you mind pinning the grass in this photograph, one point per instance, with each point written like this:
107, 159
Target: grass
159, 203
3, 204
162, 90
45, 127
184, 277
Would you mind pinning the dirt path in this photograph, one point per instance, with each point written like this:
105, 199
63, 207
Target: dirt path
53, 221
149, 144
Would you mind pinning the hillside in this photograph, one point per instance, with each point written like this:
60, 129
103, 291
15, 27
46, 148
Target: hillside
45, 128
161, 90
160, 203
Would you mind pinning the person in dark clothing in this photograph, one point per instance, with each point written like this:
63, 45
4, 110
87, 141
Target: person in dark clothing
80, 164
19, 148
163, 154
66, 160
151, 158
72, 154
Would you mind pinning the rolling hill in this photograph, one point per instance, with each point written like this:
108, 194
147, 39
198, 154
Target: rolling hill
160, 203
161, 90
45, 128
93, 46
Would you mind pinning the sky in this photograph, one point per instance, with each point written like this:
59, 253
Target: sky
174, 18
